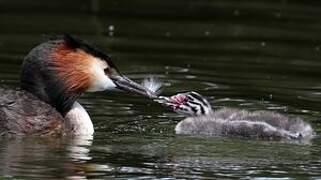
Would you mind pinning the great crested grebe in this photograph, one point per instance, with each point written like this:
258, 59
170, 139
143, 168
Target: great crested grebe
202, 120
54, 74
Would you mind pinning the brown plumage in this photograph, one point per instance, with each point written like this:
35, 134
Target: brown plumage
21, 114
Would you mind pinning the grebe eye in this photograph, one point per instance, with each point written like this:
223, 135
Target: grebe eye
107, 70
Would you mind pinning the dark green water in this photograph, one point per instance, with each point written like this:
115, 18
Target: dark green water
257, 55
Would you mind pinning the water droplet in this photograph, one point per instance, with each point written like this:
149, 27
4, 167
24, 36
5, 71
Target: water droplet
317, 48
168, 34
207, 33
111, 27
263, 43
286, 109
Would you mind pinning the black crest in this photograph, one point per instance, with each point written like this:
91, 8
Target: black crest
38, 76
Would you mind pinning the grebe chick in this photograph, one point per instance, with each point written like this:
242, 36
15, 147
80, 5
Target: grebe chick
202, 120
54, 74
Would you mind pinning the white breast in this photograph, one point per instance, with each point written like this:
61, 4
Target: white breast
78, 122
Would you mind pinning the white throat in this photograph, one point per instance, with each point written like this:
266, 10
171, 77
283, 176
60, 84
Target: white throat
78, 122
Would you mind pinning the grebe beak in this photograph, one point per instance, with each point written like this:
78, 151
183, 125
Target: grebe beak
125, 84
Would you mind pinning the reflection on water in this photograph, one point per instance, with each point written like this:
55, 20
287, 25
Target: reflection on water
151, 157
256, 55
43, 156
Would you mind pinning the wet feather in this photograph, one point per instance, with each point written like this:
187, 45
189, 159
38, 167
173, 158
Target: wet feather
153, 84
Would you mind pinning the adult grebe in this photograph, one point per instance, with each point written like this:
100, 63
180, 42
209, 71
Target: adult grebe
201, 119
54, 74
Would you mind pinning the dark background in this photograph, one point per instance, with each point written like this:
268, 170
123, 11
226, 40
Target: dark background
250, 54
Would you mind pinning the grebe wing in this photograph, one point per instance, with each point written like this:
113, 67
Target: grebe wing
21, 113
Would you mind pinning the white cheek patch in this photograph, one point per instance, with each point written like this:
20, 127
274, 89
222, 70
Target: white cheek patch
99, 81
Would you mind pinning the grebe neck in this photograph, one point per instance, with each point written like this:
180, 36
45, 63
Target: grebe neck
77, 121
40, 76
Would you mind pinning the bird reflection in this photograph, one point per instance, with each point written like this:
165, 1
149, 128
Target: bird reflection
46, 157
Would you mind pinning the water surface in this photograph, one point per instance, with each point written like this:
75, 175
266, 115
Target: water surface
256, 55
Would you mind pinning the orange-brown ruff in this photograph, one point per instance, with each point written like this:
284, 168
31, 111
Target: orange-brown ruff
64, 59
54, 74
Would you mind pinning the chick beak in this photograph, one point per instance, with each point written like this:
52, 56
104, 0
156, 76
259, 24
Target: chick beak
125, 84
